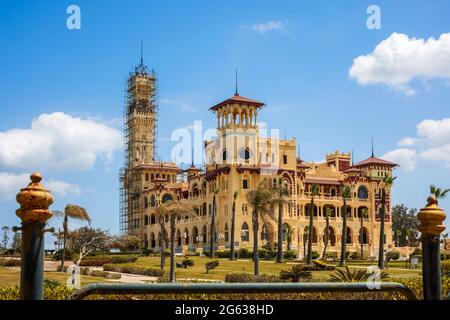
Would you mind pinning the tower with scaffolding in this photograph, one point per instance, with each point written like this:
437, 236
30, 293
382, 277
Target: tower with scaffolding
140, 131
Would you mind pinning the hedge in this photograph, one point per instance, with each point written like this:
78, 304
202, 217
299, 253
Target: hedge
134, 270
4, 262
98, 261
247, 277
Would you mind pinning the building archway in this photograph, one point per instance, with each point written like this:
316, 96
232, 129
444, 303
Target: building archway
245, 232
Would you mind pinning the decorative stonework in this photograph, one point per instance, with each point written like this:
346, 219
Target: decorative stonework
34, 201
431, 218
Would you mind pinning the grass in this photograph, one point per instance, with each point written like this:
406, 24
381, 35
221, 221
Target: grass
11, 277
246, 266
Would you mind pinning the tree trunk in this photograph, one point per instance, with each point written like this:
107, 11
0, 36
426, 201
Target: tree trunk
344, 235
255, 243
381, 243
280, 233
310, 232
327, 231
66, 229
163, 246
361, 237
213, 225
172, 248
233, 218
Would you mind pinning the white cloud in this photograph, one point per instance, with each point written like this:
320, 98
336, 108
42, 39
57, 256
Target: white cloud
267, 26
398, 60
405, 157
432, 143
11, 183
58, 141
62, 188
178, 103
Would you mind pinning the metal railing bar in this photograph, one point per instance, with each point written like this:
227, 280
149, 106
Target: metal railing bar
211, 288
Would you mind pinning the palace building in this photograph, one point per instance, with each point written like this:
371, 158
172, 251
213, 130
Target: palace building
237, 160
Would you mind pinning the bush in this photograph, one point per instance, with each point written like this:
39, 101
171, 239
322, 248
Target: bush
69, 256
211, 265
146, 252
290, 254
98, 261
315, 255
245, 253
134, 270
187, 263
223, 253
392, 255
4, 262
331, 255
246, 278
445, 268
354, 255
323, 266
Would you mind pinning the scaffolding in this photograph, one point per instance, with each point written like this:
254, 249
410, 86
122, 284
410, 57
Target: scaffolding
140, 102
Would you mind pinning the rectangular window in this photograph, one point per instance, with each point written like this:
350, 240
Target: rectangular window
245, 184
284, 159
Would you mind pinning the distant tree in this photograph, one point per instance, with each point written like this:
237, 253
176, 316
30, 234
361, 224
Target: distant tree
77, 239
346, 194
5, 238
328, 213
125, 243
213, 225
16, 244
315, 191
233, 225
74, 212
405, 225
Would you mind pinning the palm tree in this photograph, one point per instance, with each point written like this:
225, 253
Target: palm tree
174, 209
74, 212
213, 224
161, 215
280, 197
356, 275
386, 184
314, 192
259, 199
327, 230
233, 222
346, 194
438, 193
364, 214
290, 236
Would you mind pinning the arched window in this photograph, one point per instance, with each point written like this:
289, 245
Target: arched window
285, 231
204, 234
186, 236
152, 240
365, 235
226, 232
152, 200
245, 234
145, 202
167, 197
195, 235
178, 238
349, 235
152, 219
224, 155
263, 233
245, 154
145, 220
363, 193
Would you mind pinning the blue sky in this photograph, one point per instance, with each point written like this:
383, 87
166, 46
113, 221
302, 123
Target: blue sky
294, 56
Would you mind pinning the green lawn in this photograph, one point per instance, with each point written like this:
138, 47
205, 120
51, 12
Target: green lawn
265, 267
11, 277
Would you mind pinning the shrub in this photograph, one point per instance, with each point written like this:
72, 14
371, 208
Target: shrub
69, 256
392, 255
354, 255
4, 262
290, 254
211, 265
223, 253
331, 255
51, 284
323, 266
315, 255
246, 278
445, 268
296, 273
187, 263
245, 253
134, 270
98, 261
262, 253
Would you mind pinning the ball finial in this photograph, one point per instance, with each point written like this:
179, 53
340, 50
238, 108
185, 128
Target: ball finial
36, 177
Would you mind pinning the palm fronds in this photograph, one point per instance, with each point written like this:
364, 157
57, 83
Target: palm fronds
76, 212
355, 275
295, 274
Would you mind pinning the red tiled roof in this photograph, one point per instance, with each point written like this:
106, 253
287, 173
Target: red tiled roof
352, 169
375, 160
238, 99
323, 181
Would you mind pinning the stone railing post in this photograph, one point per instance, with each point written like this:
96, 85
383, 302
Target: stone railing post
431, 225
34, 202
